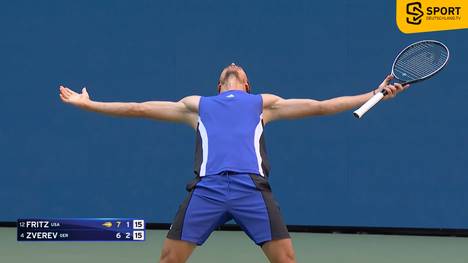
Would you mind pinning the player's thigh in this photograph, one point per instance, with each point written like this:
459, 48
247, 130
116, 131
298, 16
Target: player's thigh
176, 251
256, 210
279, 251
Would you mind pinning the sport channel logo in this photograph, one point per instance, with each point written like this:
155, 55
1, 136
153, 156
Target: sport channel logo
417, 16
415, 13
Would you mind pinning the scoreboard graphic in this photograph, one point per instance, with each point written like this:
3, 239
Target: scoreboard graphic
81, 229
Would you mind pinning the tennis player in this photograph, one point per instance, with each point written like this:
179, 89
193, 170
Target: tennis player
231, 165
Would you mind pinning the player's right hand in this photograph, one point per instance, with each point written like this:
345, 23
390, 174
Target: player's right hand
77, 99
392, 89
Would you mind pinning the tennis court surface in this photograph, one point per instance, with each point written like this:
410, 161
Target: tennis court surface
234, 246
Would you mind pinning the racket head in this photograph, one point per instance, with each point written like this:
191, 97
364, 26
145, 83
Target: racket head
420, 60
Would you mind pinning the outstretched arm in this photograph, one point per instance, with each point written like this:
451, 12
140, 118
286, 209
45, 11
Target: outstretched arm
277, 108
185, 110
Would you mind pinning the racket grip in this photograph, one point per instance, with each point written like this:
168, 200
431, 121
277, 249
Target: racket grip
368, 105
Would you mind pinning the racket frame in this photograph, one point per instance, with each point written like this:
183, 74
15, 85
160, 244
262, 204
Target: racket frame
429, 75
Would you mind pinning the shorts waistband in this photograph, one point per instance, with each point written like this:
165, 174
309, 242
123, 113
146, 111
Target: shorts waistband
229, 173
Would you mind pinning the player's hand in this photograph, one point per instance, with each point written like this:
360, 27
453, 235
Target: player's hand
392, 89
77, 99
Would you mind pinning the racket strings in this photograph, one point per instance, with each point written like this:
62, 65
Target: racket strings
425, 61
420, 65
420, 61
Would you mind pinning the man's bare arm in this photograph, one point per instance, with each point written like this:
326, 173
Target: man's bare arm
276, 108
185, 110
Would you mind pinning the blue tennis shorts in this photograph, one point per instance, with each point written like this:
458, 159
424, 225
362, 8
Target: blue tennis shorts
215, 199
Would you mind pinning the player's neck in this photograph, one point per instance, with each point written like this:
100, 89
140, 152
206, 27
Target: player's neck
232, 84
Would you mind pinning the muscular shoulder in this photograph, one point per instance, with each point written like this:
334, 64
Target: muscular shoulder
269, 100
191, 102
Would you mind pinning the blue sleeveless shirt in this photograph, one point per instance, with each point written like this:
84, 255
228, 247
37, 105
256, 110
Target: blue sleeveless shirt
230, 135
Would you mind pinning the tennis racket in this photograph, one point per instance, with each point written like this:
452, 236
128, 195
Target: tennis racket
417, 62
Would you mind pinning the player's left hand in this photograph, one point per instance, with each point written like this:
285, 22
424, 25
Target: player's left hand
392, 89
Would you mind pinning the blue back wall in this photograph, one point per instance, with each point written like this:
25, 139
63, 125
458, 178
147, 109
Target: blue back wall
403, 165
